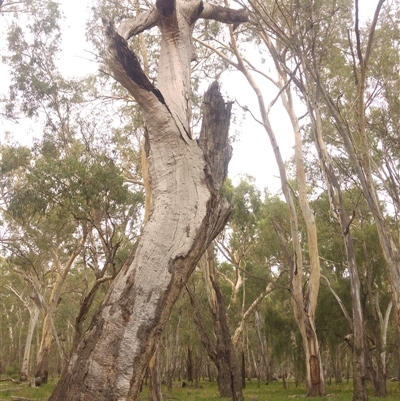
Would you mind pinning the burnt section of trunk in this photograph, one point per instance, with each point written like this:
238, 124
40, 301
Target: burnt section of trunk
129, 62
166, 7
215, 145
188, 212
94, 371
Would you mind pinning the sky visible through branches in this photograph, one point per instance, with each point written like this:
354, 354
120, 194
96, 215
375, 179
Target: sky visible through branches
252, 153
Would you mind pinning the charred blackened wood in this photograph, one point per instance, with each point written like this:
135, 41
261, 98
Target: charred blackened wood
130, 63
213, 138
166, 7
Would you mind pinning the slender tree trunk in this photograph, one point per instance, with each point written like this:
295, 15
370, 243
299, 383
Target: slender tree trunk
304, 303
33, 319
310, 340
48, 331
222, 352
250, 311
261, 341
243, 369
189, 366
339, 212
379, 382
42, 372
86, 303
338, 364
229, 382
155, 393
172, 352
356, 141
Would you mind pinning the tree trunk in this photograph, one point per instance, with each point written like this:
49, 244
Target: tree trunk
304, 303
121, 338
49, 310
338, 364
250, 311
189, 366
155, 393
243, 369
222, 353
339, 212
187, 209
356, 141
172, 351
33, 319
379, 384
86, 303
261, 341
42, 369
306, 321
229, 382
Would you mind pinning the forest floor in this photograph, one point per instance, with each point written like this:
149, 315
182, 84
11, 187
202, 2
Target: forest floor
206, 392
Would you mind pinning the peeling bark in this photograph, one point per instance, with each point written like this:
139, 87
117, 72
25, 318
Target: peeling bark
187, 212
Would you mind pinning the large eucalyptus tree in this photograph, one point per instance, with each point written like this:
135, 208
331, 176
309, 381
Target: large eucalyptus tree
187, 211
336, 65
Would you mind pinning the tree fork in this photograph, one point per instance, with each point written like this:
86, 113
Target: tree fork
187, 210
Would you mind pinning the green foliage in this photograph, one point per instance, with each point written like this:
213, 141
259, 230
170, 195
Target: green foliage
79, 179
13, 158
36, 81
332, 327
13, 370
281, 329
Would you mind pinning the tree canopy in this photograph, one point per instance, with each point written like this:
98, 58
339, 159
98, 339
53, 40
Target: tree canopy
121, 227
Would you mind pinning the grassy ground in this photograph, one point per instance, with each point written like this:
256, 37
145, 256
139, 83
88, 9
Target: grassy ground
209, 392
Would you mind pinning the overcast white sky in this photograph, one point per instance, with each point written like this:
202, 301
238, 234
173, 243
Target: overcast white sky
252, 152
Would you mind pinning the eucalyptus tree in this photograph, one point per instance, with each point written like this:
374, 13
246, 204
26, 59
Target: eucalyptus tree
282, 336
187, 210
304, 303
41, 248
23, 295
52, 208
239, 237
222, 351
248, 263
373, 281
332, 85
64, 196
298, 35
16, 308
379, 303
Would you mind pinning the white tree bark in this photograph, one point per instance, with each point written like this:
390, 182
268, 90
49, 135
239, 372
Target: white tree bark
49, 310
33, 319
187, 211
304, 302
